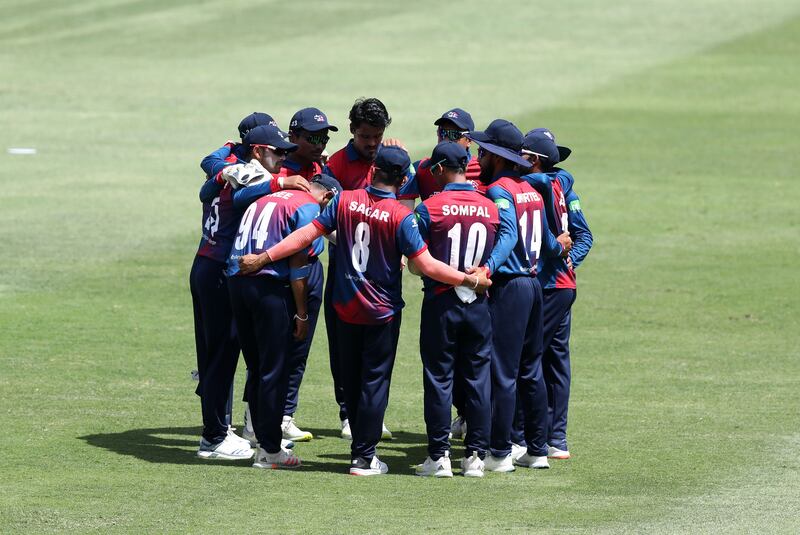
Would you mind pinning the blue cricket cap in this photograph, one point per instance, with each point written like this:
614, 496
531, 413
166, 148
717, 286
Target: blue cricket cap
311, 119
327, 182
254, 119
392, 160
269, 135
448, 154
542, 142
458, 117
502, 138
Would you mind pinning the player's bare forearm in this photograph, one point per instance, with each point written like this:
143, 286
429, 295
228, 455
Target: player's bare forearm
297, 263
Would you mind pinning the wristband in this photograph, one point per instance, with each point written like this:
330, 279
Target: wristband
301, 319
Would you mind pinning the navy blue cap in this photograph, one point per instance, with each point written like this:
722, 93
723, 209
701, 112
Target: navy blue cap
269, 135
327, 182
502, 138
254, 119
311, 119
459, 117
542, 142
393, 160
449, 154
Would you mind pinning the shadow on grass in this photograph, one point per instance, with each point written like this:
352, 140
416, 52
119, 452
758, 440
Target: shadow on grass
178, 445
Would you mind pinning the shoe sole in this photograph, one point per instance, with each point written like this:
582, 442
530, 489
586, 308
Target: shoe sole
213, 455
559, 457
545, 467
276, 466
474, 473
300, 438
436, 474
363, 473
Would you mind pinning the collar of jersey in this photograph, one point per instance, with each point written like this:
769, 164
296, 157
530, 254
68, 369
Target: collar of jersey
459, 186
380, 193
350, 150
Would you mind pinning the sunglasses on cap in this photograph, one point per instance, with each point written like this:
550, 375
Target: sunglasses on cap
276, 150
317, 139
451, 134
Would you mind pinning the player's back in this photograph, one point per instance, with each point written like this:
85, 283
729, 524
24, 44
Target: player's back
530, 209
460, 226
266, 222
368, 253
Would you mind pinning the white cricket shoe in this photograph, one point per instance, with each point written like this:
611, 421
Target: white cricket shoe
292, 432
385, 433
458, 428
250, 437
282, 459
472, 466
229, 450
518, 451
439, 468
555, 453
499, 464
360, 467
532, 461
234, 436
346, 429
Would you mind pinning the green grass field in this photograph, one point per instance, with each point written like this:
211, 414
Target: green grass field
684, 124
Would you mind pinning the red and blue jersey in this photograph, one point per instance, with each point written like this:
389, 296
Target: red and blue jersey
423, 184
553, 271
220, 219
523, 231
265, 223
373, 232
346, 166
291, 168
459, 225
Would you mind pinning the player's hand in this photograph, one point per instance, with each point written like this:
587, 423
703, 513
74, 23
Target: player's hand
296, 182
300, 327
569, 263
323, 158
394, 142
481, 282
250, 263
566, 242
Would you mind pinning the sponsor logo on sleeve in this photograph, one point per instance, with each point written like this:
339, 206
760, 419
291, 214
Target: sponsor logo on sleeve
575, 205
502, 204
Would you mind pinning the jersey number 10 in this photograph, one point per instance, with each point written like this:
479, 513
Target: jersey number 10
476, 244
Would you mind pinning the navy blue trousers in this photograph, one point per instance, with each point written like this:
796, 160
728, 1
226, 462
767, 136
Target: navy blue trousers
555, 361
331, 329
264, 308
516, 306
456, 336
298, 355
366, 356
216, 342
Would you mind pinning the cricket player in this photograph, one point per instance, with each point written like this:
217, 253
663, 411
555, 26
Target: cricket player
215, 330
557, 277
352, 166
309, 130
459, 225
226, 204
516, 298
373, 232
453, 125
270, 305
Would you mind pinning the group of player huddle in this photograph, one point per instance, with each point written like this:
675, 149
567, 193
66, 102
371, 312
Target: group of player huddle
497, 238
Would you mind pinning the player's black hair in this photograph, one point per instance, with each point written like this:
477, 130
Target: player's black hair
370, 111
395, 180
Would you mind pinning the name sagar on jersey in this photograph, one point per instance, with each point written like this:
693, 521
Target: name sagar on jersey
361, 208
